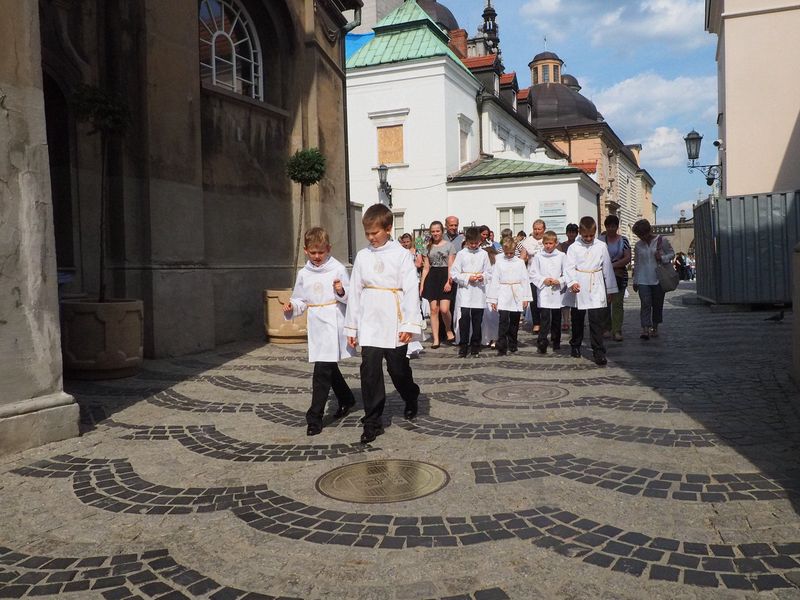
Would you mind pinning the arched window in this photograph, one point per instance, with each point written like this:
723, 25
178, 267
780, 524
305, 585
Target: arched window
230, 53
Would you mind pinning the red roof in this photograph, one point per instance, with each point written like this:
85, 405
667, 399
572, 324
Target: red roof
588, 166
508, 78
476, 62
523, 94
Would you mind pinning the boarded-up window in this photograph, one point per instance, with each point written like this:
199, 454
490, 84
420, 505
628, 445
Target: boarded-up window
390, 145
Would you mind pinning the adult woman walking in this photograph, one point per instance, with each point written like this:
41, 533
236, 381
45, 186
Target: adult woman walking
436, 286
619, 249
650, 251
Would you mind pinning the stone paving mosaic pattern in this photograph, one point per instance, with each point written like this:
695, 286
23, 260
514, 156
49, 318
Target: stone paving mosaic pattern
673, 472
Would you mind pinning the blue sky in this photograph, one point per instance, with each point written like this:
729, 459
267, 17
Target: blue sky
648, 65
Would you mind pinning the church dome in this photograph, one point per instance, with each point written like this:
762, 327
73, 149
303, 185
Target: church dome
439, 14
546, 56
556, 105
571, 82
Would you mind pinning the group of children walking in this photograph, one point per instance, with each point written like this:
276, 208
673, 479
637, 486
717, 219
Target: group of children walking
378, 308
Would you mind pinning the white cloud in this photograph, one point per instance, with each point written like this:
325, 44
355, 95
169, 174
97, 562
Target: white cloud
677, 23
636, 106
671, 214
664, 148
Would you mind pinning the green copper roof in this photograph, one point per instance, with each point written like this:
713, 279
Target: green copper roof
406, 33
500, 168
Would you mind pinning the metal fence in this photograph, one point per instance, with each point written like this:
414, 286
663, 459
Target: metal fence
744, 246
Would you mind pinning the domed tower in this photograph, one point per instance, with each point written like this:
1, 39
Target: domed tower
439, 14
546, 68
490, 28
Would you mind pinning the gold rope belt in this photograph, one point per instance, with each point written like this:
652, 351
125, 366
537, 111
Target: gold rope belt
591, 276
396, 293
325, 304
513, 289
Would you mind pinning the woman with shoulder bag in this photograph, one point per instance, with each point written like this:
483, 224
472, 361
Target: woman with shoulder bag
652, 252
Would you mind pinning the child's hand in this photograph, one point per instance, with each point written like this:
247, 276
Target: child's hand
493, 307
352, 341
338, 287
475, 278
524, 305
447, 287
404, 337
575, 288
287, 308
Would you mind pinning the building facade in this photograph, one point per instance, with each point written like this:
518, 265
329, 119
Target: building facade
201, 214
448, 124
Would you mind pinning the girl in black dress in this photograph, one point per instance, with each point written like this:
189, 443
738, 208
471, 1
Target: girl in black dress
436, 286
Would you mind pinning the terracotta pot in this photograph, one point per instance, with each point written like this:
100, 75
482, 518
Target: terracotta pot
278, 329
102, 340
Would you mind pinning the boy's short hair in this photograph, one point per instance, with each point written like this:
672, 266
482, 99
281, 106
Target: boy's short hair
550, 236
641, 227
611, 220
509, 245
522, 235
378, 214
587, 224
506, 233
316, 237
572, 227
472, 234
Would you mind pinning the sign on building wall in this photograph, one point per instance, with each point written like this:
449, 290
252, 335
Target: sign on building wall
554, 214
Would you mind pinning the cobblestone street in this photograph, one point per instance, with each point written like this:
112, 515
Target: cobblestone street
674, 472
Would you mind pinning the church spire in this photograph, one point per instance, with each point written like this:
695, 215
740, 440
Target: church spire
490, 28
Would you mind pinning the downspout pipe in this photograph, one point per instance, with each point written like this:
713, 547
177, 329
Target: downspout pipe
348, 209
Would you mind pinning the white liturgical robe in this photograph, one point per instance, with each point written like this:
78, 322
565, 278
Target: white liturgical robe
384, 297
548, 265
509, 286
313, 291
589, 265
470, 294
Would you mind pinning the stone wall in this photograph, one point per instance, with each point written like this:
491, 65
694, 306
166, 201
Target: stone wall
33, 407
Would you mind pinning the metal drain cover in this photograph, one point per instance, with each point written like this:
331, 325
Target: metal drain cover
380, 481
525, 394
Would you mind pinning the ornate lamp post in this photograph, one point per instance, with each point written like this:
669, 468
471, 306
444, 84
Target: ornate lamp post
712, 172
384, 187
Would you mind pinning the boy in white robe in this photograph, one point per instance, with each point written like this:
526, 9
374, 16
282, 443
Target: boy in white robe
509, 294
546, 271
321, 288
590, 277
469, 272
383, 316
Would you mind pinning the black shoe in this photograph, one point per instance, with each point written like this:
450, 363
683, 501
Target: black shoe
556, 346
462, 352
575, 351
343, 410
512, 350
475, 352
541, 348
313, 430
501, 353
370, 433
600, 359
411, 410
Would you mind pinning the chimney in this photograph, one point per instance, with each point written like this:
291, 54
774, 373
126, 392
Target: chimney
458, 42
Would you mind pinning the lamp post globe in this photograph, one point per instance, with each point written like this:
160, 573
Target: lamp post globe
383, 172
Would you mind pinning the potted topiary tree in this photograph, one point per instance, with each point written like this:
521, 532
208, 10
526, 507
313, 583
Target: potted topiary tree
102, 338
305, 167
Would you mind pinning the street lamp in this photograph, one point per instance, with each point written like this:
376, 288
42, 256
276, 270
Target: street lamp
384, 187
712, 172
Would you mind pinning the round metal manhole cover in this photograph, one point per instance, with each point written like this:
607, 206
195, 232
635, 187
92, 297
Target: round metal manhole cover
525, 394
380, 481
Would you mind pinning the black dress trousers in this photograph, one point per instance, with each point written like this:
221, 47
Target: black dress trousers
373, 390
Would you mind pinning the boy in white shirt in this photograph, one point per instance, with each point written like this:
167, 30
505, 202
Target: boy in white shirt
590, 277
509, 293
546, 271
383, 316
321, 288
469, 272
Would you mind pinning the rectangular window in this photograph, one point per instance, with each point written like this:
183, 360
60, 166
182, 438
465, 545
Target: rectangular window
535, 73
555, 74
545, 73
463, 150
390, 145
511, 218
399, 225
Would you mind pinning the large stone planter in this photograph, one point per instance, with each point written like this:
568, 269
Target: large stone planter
102, 340
278, 329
